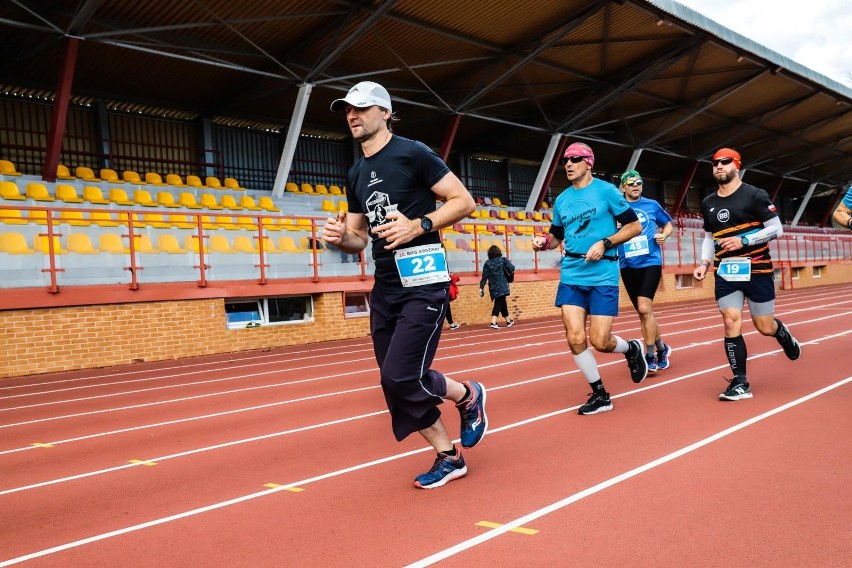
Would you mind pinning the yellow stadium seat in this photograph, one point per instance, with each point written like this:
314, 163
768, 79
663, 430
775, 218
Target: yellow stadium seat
270, 224
38, 216
86, 174
156, 220
168, 243
267, 204
42, 245
63, 173
38, 192
194, 181
228, 202
269, 246
93, 194
119, 197
144, 245
80, 243
246, 223
321, 189
7, 168
132, 177
154, 179
111, 244
175, 180
191, 243
225, 222
12, 217
74, 218
208, 200
183, 221
213, 182
291, 187
247, 202
328, 205
343, 205
143, 197
306, 188
9, 190
68, 194
287, 244
232, 183
496, 201
219, 243
187, 200
334, 190
243, 243
166, 199
14, 243
110, 176
208, 222
102, 219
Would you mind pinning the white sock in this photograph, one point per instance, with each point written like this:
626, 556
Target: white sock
587, 365
621, 346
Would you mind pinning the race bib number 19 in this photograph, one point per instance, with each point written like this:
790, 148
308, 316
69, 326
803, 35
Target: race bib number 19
421, 265
735, 269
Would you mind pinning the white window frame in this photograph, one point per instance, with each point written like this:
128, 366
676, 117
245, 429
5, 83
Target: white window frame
818, 271
263, 312
356, 300
684, 281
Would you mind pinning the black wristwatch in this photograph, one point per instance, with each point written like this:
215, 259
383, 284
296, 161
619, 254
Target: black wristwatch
744, 241
426, 223
607, 244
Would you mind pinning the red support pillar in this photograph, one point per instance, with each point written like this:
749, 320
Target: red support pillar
60, 110
681, 196
450, 137
553, 165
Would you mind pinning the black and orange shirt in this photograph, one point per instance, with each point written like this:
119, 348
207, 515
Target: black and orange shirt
738, 215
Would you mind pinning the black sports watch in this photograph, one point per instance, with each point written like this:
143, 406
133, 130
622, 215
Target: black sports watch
607, 244
426, 223
744, 241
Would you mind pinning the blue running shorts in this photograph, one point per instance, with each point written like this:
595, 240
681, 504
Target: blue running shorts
596, 300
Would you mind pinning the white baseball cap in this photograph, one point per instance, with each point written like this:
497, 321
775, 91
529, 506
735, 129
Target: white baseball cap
364, 94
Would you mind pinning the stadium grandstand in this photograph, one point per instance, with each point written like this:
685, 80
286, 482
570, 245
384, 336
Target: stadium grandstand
165, 170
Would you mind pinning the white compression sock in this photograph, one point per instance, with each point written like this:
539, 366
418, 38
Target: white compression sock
621, 346
587, 365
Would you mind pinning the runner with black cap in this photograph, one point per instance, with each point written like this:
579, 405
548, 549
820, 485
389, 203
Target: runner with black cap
585, 217
739, 222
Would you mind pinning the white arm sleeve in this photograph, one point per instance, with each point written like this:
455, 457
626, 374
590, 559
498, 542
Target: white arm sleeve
771, 230
708, 251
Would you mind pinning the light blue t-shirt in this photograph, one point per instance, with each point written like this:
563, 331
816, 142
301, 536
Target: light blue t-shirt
588, 215
642, 250
847, 199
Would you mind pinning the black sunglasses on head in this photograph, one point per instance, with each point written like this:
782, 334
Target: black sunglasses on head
723, 161
573, 159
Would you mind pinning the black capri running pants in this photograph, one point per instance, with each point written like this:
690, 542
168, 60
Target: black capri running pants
500, 307
406, 326
641, 282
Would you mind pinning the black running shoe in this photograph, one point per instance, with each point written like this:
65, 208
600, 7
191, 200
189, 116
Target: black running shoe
596, 403
791, 347
736, 391
636, 361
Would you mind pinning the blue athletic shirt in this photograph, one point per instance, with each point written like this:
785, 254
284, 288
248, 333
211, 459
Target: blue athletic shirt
651, 215
399, 177
588, 215
847, 199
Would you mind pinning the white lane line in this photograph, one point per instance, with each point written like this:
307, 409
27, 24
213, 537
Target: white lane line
530, 517
454, 549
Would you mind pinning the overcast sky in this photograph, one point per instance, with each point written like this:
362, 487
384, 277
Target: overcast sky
813, 33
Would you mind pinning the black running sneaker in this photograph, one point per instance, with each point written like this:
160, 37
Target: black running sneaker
636, 361
596, 403
791, 347
736, 391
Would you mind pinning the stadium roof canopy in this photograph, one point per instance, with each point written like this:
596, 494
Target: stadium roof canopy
620, 74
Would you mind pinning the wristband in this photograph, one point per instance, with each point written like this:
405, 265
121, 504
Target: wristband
548, 240
707, 265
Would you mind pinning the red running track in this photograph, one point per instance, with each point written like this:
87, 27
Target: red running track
286, 458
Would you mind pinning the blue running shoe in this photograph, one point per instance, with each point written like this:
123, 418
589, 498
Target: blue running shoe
474, 423
652, 363
663, 357
444, 469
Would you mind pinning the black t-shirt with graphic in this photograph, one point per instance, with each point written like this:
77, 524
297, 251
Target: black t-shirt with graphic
399, 177
739, 214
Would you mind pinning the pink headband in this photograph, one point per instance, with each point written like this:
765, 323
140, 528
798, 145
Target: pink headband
578, 149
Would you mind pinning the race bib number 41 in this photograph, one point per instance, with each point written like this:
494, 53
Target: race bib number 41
421, 265
735, 269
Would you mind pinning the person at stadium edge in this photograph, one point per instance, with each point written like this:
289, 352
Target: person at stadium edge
641, 262
585, 217
843, 213
393, 189
739, 222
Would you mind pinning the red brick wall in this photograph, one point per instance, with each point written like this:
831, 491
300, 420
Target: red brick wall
61, 339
